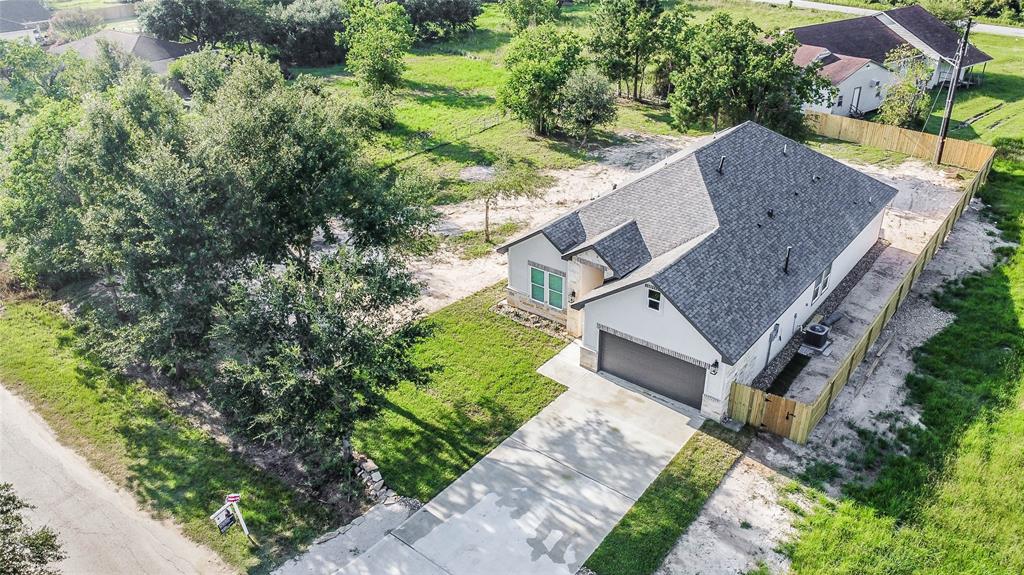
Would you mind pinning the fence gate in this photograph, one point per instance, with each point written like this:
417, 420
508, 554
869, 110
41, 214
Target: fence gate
778, 414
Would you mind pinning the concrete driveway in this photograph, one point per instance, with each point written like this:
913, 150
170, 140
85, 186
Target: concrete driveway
542, 501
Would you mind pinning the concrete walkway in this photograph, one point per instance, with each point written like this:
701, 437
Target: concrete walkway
100, 526
541, 502
808, 5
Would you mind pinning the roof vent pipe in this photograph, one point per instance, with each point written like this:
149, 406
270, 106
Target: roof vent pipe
721, 165
785, 266
785, 149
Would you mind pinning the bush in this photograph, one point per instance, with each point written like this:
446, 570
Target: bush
304, 31
526, 13
202, 73
75, 24
436, 19
585, 102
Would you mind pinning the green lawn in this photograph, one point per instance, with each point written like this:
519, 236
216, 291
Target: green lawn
951, 503
996, 108
130, 433
447, 113
484, 385
649, 530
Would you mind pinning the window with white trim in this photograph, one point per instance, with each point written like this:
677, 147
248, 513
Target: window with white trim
547, 288
821, 282
654, 299
839, 102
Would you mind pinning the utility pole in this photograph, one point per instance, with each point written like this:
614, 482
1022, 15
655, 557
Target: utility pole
961, 51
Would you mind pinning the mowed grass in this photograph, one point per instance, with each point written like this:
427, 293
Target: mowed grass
649, 530
448, 117
484, 384
996, 108
951, 503
131, 434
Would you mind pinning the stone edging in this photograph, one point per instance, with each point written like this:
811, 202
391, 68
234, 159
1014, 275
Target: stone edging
369, 474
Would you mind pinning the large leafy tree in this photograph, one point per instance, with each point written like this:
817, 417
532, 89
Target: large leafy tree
539, 61
23, 550
585, 102
906, 99
377, 36
525, 13
204, 21
305, 353
434, 19
731, 71
627, 34
304, 31
28, 73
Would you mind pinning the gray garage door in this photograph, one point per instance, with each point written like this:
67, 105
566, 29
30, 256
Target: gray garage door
663, 374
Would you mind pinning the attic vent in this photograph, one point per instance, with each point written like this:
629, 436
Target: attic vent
721, 165
785, 266
771, 213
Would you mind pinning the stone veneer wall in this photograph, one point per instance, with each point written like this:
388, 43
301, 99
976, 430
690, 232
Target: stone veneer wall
523, 302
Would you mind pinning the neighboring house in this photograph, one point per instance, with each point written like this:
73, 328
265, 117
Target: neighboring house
853, 51
158, 54
695, 274
22, 19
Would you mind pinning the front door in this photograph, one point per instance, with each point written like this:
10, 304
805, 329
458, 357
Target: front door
855, 102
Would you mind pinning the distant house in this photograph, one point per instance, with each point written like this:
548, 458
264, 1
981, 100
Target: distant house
695, 274
853, 51
22, 19
158, 54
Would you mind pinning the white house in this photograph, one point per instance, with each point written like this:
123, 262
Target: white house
696, 273
853, 52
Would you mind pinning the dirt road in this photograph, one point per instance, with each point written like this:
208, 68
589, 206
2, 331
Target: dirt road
100, 526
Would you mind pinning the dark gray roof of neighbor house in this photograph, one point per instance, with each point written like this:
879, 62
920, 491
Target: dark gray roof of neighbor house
864, 37
23, 11
935, 33
153, 50
716, 241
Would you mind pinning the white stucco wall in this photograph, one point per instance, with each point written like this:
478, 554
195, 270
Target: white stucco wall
870, 96
537, 249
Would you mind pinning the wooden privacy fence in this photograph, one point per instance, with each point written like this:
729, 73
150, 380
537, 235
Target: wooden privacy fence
794, 419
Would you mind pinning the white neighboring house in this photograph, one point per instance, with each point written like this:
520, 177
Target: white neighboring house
695, 274
23, 20
853, 52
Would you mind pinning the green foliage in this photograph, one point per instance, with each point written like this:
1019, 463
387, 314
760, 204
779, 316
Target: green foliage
437, 19
130, 433
585, 101
905, 102
204, 21
377, 37
523, 14
304, 31
31, 75
75, 24
948, 500
483, 386
304, 354
23, 550
642, 538
539, 61
627, 34
731, 72
949, 11
511, 180
202, 73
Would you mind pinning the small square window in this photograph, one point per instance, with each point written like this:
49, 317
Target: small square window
839, 103
654, 299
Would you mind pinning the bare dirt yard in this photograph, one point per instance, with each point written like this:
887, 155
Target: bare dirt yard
447, 277
749, 515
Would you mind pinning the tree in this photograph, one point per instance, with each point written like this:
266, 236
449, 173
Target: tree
627, 34
525, 13
75, 24
204, 21
304, 31
512, 179
23, 550
949, 11
905, 100
378, 36
539, 62
303, 354
585, 102
28, 73
731, 72
435, 19
202, 73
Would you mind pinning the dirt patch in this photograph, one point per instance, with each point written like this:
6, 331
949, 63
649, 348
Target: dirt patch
447, 278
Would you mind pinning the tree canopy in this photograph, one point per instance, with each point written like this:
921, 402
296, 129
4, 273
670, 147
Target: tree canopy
525, 13
23, 550
539, 62
435, 19
627, 35
377, 36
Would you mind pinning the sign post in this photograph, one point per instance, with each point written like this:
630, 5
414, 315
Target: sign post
229, 514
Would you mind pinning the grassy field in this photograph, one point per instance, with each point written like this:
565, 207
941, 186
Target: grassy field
888, 6
640, 541
130, 433
448, 117
484, 385
951, 502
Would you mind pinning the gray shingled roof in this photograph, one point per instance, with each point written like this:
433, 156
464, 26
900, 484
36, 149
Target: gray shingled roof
730, 284
935, 33
158, 53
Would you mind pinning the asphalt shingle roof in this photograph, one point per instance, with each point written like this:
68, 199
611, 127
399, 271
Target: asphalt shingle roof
23, 11
935, 33
153, 50
863, 37
722, 237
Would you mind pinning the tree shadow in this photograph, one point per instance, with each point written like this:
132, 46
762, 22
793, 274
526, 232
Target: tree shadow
429, 93
478, 40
